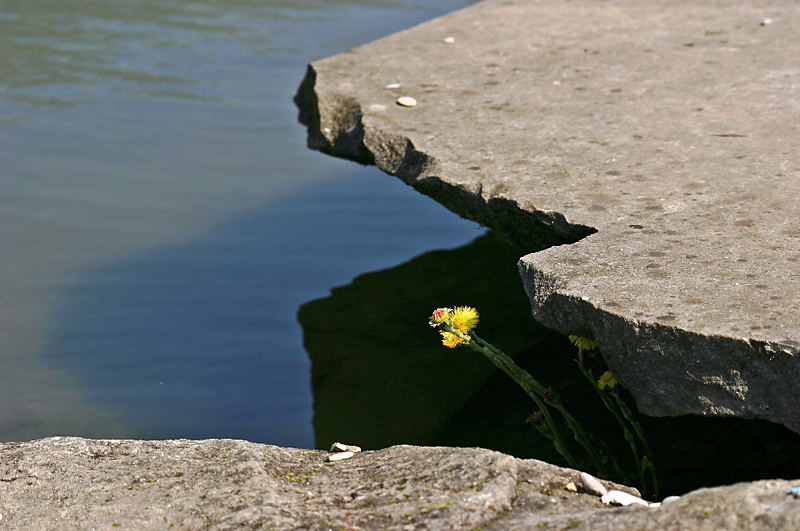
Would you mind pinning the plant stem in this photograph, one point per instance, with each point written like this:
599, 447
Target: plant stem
530, 386
540, 394
619, 409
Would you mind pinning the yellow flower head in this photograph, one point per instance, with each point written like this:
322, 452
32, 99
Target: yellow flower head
583, 342
440, 315
450, 340
607, 381
464, 319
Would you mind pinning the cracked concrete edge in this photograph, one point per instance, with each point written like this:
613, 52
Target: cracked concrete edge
642, 355
730, 376
336, 126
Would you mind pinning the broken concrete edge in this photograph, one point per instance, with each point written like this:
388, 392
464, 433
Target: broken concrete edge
645, 352
75, 483
634, 350
336, 126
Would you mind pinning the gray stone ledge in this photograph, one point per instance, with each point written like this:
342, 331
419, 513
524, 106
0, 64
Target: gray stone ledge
657, 139
73, 483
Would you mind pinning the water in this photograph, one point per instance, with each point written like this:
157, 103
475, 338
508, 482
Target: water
161, 219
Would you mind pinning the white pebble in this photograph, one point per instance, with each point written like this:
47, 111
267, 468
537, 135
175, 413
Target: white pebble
592, 485
449, 40
392, 86
406, 101
617, 497
340, 456
340, 447
766, 21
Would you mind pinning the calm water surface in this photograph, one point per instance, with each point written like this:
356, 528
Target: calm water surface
161, 220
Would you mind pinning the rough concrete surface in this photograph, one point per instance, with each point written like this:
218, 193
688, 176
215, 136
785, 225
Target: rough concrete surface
74, 483
657, 139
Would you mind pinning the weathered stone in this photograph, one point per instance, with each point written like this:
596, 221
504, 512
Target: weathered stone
73, 483
654, 138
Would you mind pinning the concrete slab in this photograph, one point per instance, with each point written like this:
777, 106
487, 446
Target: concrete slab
657, 139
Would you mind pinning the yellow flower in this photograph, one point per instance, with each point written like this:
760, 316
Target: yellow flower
440, 315
607, 380
464, 319
451, 340
583, 342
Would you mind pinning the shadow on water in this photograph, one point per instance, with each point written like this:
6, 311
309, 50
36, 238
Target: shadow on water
379, 374
381, 377
200, 340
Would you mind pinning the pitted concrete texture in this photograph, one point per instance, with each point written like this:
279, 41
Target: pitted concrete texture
65, 483
659, 139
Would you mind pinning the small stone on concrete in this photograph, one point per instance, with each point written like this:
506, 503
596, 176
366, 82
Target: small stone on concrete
617, 497
406, 101
341, 456
592, 485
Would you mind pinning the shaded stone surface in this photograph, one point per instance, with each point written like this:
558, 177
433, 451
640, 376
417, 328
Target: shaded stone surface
654, 138
75, 483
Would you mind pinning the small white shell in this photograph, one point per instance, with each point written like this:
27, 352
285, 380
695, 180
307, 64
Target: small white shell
406, 101
340, 456
339, 447
592, 485
392, 86
617, 497
449, 40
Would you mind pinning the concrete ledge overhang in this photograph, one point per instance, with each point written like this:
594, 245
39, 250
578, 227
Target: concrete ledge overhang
644, 152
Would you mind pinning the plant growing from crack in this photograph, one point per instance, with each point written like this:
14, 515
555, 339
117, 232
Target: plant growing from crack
456, 326
606, 388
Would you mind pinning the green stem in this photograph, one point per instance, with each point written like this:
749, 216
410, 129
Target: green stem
612, 408
531, 388
553, 400
539, 393
621, 414
645, 464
